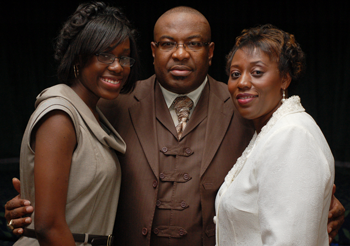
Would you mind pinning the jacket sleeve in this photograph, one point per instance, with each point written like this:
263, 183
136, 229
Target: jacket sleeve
295, 179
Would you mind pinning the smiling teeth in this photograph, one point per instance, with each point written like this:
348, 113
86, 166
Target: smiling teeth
246, 97
115, 82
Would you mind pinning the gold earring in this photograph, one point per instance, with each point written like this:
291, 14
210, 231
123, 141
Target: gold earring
76, 71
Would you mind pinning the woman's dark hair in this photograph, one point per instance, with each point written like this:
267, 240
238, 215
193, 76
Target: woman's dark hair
92, 29
279, 45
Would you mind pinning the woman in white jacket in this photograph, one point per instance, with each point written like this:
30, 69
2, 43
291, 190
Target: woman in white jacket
279, 191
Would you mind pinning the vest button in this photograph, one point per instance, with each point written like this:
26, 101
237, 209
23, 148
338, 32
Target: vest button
188, 151
155, 183
181, 232
183, 204
156, 230
144, 231
158, 203
164, 149
186, 176
161, 176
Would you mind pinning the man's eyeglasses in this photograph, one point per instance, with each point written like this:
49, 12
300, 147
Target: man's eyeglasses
191, 45
107, 58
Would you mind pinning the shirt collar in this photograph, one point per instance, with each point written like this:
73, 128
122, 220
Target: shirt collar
193, 95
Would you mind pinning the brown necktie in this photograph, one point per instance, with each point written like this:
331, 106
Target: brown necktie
182, 106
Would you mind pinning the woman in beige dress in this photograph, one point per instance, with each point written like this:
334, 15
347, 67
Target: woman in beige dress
68, 166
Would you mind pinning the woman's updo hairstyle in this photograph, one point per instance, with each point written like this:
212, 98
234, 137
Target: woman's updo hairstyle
279, 45
92, 29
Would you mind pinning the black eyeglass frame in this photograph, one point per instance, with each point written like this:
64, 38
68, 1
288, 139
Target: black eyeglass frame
130, 60
185, 45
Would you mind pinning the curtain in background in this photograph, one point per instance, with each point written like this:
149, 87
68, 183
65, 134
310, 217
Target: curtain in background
27, 65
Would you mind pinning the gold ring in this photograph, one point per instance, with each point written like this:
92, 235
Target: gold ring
109, 240
9, 225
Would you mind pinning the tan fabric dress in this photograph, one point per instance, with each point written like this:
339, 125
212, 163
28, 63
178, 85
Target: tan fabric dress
95, 175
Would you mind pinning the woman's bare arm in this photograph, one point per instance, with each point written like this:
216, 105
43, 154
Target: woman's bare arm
54, 140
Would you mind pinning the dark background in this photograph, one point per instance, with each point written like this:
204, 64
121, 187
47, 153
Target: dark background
27, 66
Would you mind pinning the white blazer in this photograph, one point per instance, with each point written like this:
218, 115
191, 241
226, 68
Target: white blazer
279, 191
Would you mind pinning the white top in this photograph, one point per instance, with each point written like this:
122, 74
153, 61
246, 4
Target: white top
95, 174
171, 96
279, 191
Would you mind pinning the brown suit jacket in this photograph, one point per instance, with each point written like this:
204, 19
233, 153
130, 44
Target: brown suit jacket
135, 117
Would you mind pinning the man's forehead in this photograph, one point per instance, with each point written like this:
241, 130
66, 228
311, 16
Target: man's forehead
185, 25
180, 36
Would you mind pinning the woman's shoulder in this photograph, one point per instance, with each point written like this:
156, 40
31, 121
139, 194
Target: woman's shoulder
63, 93
293, 115
299, 131
48, 102
300, 121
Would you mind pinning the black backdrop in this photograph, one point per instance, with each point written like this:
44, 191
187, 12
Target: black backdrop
28, 30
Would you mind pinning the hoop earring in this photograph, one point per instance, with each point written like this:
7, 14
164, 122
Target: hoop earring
283, 96
76, 71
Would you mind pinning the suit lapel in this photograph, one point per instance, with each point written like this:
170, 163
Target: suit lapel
199, 113
144, 122
162, 111
220, 113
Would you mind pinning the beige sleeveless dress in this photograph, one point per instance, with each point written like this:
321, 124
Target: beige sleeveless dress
95, 174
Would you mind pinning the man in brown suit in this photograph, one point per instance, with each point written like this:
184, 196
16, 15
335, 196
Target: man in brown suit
169, 183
